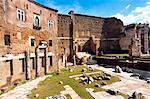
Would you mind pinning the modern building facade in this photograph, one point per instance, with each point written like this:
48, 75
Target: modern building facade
28, 34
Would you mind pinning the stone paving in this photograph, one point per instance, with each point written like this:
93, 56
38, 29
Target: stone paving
85, 73
128, 84
102, 95
71, 92
21, 92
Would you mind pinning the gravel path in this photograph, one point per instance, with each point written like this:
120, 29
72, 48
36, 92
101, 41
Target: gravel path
21, 92
127, 84
102, 95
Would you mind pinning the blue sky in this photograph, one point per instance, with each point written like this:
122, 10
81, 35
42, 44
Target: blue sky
129, 11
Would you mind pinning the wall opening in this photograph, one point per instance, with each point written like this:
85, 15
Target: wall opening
7, 39
11, 67
51, 61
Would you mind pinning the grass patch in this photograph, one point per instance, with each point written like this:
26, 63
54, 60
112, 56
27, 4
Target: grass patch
77, 70
51, 86
116, 55
68, 96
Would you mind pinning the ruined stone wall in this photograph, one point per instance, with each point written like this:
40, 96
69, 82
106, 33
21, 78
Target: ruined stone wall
137, 36
125, 41
105, 33
110, 36
64, 25
84, 27
20, 33
87, 26
1, 11
64, 37
112, 28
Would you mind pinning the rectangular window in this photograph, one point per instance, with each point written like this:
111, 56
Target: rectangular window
32, 42
37, 20
50, 23
20, 15
50, 42
7, 39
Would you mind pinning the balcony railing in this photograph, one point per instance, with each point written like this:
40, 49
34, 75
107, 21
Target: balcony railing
36, 27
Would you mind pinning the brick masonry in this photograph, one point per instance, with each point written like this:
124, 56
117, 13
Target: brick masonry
78, 32
55, 45
20, 60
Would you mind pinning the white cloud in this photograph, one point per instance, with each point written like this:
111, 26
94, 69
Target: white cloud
128, 6
138, 15
147, 2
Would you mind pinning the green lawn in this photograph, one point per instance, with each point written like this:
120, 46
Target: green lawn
51, 85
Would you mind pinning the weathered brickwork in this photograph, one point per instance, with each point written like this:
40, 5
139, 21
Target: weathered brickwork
20, 59
78, 32
84, 27
64, 38
36, 40
136, 35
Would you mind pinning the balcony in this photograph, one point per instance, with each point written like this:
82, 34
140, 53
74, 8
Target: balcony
36, 27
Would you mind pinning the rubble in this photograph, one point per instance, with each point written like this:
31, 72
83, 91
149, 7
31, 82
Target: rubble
112, 92
37, 95
118, 69
60, 82
70, 70
4, 89
148, 81
103, 83
136, 95
97, 85
84, 70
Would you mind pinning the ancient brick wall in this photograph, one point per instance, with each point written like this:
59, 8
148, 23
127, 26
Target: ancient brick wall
64, 25
125, 41
106, 30
105, 33
20, 33
87, 26
64, 37
112, 28
137, 36
111, 32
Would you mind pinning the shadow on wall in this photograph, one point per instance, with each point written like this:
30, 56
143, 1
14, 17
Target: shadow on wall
111, 32
89, 47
